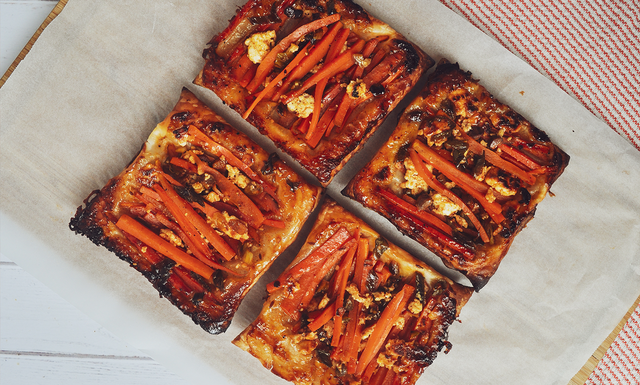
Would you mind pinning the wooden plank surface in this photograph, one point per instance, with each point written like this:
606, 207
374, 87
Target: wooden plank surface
46, 340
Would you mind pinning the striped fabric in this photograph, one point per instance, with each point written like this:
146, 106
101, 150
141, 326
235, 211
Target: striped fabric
590, 48
621, 363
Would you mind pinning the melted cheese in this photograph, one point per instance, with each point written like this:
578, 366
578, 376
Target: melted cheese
259, 44
302, 105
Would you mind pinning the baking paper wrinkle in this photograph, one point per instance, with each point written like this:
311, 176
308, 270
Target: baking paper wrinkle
569, 278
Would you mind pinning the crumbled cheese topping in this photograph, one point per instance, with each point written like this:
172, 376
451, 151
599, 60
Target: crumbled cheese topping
213, 197
259, 44
237, 177
171, 237
415, 307
355, 294
500, 187
302, 105
443, 205
356, 89
413, 181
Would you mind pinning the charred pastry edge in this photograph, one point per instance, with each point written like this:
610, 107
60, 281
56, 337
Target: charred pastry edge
449, 309
324, 165
84, 223
559, 162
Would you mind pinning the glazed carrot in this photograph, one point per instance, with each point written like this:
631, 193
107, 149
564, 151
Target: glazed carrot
366, 52
241, 67
519, 156
201, 225
269, 87
428, 218
183, 164
274, 223
352, 338
188, 232
359, 278
323, 317
249, 212
206, 208
187, 278
321, 253
339, 64
148, 237
437, 234
308, 283
497, 161
343, 107
383, 69
383, 326
150, 254
304, 126
375, 60
178, 284
268, 62
149, 192
316, 54
315, 117
466, 182
343, 276
209, 144
428, 177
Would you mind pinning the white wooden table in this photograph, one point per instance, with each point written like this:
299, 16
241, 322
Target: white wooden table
43, 338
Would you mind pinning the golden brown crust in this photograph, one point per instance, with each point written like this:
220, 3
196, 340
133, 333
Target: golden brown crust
403, 59
285, 344
452, 108
210, 301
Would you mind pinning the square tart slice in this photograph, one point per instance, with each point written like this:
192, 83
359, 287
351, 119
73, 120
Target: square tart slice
201, 212
353, 308
316, 77
462, 173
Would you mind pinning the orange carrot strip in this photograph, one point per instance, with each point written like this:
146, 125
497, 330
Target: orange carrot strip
317, 109
324, 317
366, 52
423, 215
341, 113
249, 212
519, 156
203, 227
304, 126
274, 223
339, 64
383, 69
308, 283
148, 237
497, 161
269, 87
209, 144
475, 188
172, 181
359, 278
241, 67
316, 54
428, 177
343, 276
352, 337
383, 326
189, 232
183, 164
269, 61
206, 208
150, 193
319, 254
375, 60
149, 253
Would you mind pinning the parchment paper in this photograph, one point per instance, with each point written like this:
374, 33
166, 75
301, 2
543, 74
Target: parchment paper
103, 74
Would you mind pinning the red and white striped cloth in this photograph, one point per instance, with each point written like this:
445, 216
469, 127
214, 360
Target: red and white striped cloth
621, 363
591, 49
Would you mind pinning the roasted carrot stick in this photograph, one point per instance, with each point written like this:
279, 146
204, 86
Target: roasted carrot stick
310, 262
316, 54
343, 276
201, 225
497, 161
428, 218
428, 177
519, 156
322, 318
475, 188
269, 87
210, 145
383, 326
315, 117
148, 237
183, 164
339, 64
269, 61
